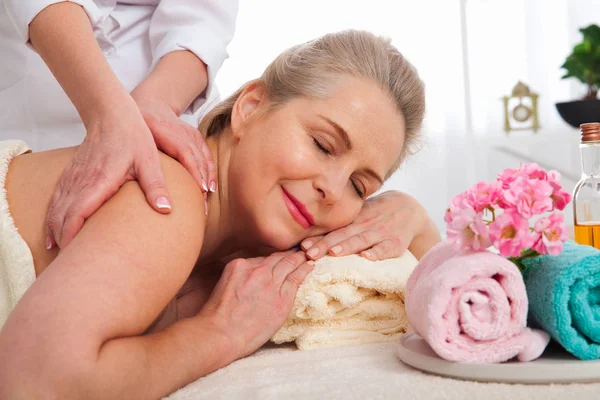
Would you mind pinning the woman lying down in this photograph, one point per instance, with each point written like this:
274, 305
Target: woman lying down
298, 152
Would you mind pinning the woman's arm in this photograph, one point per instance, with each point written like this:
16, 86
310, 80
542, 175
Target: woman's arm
426, 239
76, 332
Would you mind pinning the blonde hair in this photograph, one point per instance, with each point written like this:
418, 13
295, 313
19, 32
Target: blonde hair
309, 69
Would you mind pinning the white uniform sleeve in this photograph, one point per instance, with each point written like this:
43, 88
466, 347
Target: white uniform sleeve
204, 27
22, 12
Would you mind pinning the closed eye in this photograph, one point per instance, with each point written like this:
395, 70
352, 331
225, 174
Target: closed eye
354, 185
357, 189
320, 146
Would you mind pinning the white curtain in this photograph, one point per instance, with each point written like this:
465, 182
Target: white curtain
469, 53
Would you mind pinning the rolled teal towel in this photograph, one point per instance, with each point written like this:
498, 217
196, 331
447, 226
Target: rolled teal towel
564, 297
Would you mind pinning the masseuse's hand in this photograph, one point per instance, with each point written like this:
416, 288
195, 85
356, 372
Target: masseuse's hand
118, 148
254, 297
180, 141
387, 225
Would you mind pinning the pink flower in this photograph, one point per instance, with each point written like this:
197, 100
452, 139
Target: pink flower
484, 195
533, 171
551, 233
559, 197
510, 233
458, 203
507, 177
467, 230
529, 196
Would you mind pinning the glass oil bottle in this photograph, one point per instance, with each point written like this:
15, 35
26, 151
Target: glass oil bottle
586, 196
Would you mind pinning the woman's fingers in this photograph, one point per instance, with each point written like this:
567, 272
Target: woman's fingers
335, 243
290, 286
357, 243
384, 228
256, 260
286, 265
309, 242
384, 250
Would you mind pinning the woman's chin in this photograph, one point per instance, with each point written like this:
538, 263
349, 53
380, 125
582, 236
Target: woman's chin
278, 236
281, 244
280, 240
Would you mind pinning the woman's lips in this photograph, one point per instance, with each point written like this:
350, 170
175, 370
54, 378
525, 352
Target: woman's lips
298, 210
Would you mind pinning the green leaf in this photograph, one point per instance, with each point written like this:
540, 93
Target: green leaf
592, 33
584, 61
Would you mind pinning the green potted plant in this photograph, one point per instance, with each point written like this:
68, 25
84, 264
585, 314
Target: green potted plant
583, 64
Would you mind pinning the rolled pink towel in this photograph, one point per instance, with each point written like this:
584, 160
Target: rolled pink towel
471, 307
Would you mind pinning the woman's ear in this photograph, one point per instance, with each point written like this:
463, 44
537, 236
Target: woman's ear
251, 101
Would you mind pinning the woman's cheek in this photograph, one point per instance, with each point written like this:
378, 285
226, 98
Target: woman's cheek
298, 160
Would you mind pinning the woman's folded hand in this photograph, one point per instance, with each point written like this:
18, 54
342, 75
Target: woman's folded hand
387, 225
254, 297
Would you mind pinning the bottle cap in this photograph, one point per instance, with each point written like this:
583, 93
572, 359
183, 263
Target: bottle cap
590, 132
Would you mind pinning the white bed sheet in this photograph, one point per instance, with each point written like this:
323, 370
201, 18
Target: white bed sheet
360, 372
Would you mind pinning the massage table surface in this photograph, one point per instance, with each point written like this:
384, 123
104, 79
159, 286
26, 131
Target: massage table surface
371, 371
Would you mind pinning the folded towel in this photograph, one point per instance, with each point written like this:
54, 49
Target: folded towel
564, 297
471, 307
347, 301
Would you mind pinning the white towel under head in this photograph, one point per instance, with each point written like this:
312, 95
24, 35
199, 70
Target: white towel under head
349, 300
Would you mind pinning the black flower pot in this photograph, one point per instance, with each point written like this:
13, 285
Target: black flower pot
579, 112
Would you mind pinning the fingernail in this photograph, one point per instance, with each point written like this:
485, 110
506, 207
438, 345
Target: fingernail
204, 186
48, 243
163, 203
213, 186
311, 263
366, 254
307, 245
206, 206
313, 252
336, 249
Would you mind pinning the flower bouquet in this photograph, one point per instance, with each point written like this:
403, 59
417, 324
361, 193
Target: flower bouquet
516, 214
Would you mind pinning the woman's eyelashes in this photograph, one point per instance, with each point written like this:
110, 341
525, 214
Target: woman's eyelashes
323, 149
359, 192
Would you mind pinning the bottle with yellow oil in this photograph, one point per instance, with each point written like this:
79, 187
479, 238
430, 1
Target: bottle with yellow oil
586, 196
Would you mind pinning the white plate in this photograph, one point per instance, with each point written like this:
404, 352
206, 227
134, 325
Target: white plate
554, 366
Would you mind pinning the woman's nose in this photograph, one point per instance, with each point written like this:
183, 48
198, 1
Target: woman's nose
331, 188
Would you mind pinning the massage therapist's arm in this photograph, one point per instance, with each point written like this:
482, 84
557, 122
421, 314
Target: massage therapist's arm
119, 145
76, 332
62, 35
178, 78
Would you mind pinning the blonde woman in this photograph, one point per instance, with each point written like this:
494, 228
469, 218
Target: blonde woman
298, 151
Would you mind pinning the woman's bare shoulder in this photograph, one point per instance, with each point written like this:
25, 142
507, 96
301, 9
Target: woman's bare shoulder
179, 179
33, 177
125, 247
187, 201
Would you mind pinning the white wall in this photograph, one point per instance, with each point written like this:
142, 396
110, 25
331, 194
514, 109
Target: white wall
508, 40
580, 13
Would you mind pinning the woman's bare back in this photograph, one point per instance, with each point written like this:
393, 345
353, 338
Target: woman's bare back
30, 183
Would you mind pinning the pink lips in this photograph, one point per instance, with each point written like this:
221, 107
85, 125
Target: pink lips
298, 210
